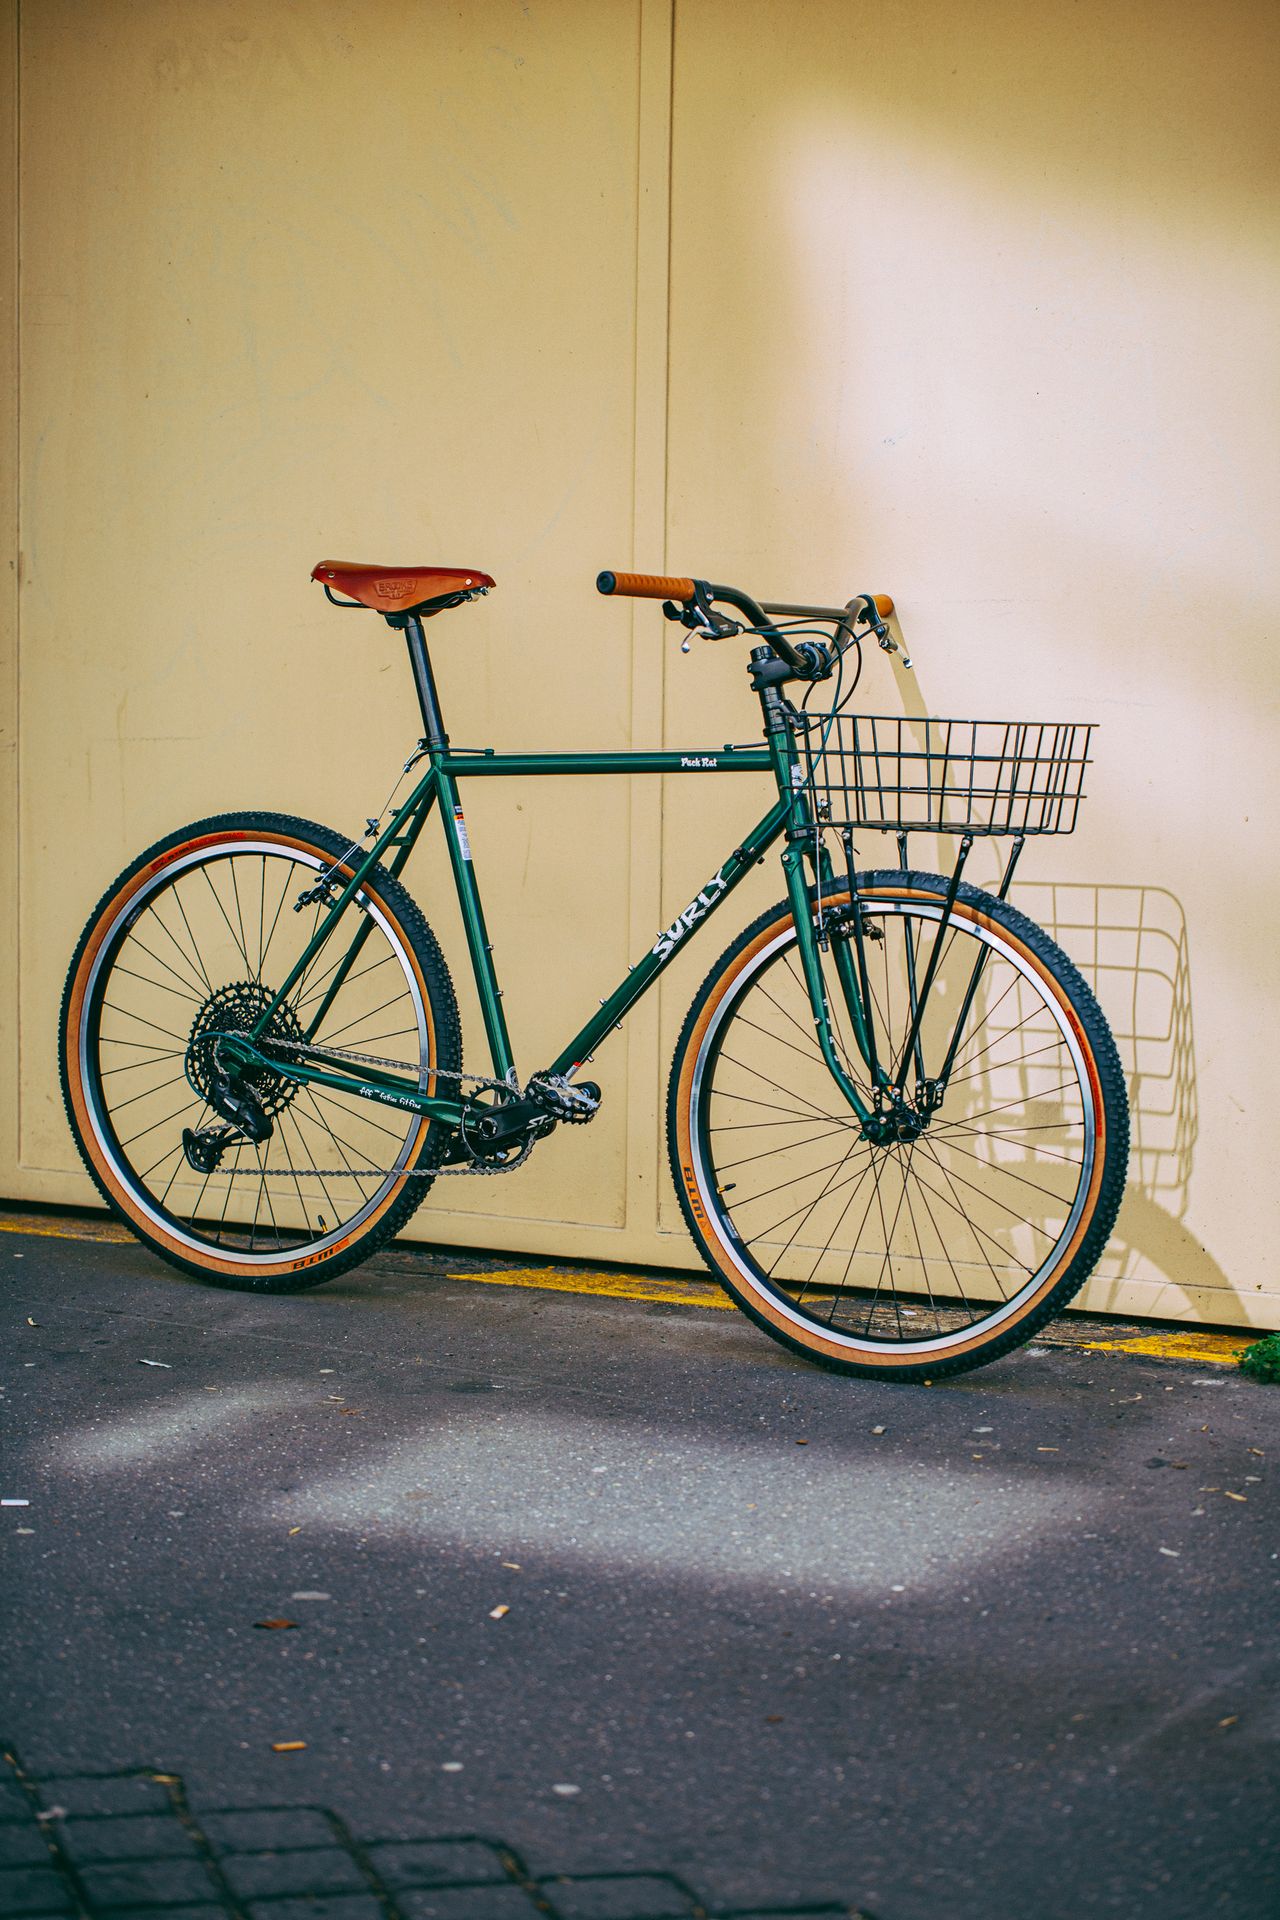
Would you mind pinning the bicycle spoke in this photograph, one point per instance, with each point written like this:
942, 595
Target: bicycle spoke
777, 1087
191, 959
199, 950
266, 948
729, 1166
905, 1235
204, 875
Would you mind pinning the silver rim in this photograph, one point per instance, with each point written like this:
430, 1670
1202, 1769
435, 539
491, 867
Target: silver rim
387, 1150
907, 1274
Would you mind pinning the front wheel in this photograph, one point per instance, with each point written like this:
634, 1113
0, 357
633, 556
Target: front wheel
192, 942
913, 1256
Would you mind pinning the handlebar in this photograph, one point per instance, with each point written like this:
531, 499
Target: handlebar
646, 586
883, 605
691, 601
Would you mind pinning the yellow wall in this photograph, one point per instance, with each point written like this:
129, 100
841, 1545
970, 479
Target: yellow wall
970, 303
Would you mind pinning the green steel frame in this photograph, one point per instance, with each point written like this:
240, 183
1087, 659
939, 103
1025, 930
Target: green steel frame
790, 818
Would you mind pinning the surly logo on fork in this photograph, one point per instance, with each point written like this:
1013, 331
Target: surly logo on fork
667, 941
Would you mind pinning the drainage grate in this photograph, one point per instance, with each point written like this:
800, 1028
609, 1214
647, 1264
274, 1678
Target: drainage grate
128, 1846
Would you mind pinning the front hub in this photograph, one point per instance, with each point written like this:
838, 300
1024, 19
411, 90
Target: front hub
899, 1126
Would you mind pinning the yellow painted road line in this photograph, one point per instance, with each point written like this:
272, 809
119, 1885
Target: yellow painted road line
1197, 1347
48, 1227
1211, 1349
614, 1286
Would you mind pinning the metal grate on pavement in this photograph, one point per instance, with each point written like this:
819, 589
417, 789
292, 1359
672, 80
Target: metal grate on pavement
129, 1846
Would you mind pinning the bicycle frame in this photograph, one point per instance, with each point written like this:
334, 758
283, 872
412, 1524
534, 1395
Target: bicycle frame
790, 817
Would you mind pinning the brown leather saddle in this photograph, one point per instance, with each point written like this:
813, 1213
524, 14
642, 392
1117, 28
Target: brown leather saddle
424, 590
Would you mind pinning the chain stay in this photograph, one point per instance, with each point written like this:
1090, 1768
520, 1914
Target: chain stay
404, 1066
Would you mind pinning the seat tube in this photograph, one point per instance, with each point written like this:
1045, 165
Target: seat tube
479, 945
458, 842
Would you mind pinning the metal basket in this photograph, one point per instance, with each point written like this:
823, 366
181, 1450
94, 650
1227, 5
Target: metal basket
947, 776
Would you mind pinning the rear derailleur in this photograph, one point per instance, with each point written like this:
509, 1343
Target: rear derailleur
247, 1120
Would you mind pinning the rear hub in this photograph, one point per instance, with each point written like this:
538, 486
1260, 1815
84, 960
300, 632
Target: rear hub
248, 1098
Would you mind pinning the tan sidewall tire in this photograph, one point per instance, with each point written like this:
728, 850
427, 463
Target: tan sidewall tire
372, 1229
758, 1300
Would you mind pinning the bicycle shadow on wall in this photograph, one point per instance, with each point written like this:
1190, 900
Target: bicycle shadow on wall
1131, 945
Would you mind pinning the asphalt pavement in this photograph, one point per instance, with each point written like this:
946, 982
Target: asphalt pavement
422, 1599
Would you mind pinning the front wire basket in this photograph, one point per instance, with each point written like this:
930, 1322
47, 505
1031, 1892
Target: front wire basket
946, 776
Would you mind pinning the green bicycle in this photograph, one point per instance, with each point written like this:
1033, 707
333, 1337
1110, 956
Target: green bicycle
897, 1119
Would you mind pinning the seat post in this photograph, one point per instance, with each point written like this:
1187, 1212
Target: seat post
423, 678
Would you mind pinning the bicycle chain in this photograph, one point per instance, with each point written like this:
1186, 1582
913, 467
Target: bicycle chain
400, 1066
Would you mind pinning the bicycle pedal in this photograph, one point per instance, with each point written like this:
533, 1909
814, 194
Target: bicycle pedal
573, 1104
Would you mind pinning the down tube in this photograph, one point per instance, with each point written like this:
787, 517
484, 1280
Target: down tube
642, 976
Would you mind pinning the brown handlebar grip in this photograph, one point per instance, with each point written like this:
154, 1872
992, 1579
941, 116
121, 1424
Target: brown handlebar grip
646, 586
884, 605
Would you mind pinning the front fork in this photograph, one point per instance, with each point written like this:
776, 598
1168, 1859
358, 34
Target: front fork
894, 1114
891, 1114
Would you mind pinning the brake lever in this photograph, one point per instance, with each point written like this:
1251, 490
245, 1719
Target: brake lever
868, 611
699, 616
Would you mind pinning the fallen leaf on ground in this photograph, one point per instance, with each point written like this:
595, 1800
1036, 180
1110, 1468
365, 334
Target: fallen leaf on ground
1258, 1450
1046, 1449
513, 1564
773, 1718
802, 1443
287, 1746
275, 1624
348, 1409
1172, 1552
1234, 1496
877, 1429
294, 1530
1230, 1720
496, 1613
156, 1363
31, 1322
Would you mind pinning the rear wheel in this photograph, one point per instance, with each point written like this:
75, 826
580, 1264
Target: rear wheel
193, 941
919, 1256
